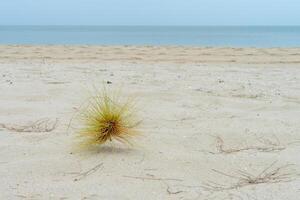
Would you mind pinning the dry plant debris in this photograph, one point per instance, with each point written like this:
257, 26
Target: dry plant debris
153, 178
268, 175
265, 145
42, 125
163, 180
107, 118
83, 175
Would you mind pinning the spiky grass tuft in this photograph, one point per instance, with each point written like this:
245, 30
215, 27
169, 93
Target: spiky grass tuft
106, 118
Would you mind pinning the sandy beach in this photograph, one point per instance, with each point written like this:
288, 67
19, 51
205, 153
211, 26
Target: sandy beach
218, 123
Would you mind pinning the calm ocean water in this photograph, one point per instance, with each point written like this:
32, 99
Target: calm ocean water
264, 36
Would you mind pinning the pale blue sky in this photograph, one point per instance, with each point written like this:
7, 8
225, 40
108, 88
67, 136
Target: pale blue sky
150, 12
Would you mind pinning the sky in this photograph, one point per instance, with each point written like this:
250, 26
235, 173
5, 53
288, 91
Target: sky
150, 12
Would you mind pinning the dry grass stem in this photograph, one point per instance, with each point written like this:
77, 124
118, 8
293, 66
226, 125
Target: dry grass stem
173, 192
80, 176
153, 178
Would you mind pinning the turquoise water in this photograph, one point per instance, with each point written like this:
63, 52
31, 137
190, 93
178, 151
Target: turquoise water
268, 36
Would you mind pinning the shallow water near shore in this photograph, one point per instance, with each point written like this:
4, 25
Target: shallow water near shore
234, 36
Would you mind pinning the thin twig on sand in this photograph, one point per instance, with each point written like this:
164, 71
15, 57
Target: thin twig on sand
42, 125
163, 180
153, 178
83, 175
173, 192
269, 175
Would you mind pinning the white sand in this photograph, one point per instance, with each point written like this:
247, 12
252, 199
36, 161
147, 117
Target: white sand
249, 98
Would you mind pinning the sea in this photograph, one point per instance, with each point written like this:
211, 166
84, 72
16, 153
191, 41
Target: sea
204, 36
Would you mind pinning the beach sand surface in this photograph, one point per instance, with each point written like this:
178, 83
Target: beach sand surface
217, 123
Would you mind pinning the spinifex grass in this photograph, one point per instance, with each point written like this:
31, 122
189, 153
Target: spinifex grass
106, 118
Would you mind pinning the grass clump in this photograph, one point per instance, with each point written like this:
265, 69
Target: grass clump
107, 118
